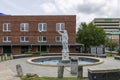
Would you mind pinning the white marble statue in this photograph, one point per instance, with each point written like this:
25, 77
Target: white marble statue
65, 50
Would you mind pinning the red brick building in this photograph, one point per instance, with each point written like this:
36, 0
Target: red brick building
19, 34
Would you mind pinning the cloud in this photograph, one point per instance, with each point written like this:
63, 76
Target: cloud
90, 7
86, 10
67, 6
48, 8
15, 7
102, 8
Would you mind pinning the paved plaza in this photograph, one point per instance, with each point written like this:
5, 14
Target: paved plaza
6, 73
8, 68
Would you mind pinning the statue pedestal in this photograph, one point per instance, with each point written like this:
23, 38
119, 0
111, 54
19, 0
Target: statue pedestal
65, 57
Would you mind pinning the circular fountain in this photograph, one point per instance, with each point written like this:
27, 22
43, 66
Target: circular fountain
65, 59
54, 61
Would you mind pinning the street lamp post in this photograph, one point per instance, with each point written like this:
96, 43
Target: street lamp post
40, 39
119, 40
110, 44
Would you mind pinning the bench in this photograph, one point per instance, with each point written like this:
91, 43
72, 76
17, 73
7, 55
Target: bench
106, 74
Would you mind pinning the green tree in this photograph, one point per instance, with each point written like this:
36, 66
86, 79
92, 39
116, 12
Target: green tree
90, 35
111, 44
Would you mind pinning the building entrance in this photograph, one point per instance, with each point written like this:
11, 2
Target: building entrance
24, 49
7, 49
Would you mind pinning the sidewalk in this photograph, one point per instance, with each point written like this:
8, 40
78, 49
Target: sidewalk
6, 73
114, 52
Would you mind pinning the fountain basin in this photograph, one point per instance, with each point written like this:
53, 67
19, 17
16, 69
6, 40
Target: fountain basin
53, 61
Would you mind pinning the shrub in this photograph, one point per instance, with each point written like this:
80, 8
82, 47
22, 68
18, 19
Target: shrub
37, 52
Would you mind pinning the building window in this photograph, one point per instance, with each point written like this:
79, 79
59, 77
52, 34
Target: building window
60, 26
24, 39
42, 27
6, 27
6, 39
24, 27
58, 38
42, 39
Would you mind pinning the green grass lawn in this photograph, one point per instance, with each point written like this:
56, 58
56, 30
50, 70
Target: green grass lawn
48, 78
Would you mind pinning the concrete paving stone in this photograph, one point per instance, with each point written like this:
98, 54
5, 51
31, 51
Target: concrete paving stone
109, 63
6, 73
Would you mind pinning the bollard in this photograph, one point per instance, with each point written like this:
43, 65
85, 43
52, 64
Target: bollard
1, 55
5, 56
60, 71
19, 70
11, 56
2, 58
80, 72
74, 65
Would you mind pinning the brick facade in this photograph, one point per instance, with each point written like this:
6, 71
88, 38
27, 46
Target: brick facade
33, 33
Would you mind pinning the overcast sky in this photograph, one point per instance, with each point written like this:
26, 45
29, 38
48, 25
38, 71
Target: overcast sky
85, 10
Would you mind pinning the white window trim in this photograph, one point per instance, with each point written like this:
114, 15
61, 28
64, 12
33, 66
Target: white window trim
60, 26
60, 37
24, 39
42, 39
7, 27
42, 27
24, 27
7, 39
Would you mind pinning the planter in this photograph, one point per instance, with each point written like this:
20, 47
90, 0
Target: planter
117, 58
35, 55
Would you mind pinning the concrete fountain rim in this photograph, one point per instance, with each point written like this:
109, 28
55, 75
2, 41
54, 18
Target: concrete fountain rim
66, 65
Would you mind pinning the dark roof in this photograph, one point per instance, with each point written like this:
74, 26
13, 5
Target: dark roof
37, 44
1, 14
